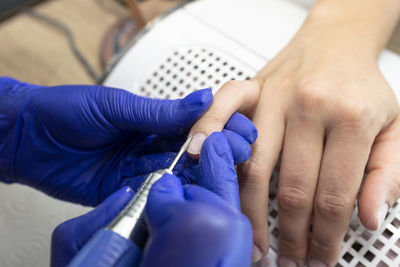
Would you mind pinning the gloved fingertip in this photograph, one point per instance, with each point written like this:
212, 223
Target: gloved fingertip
241, 125
218, 143
199, 100
253, 136
169, 185
241, 148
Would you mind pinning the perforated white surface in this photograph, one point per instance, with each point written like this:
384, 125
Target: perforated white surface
185, 69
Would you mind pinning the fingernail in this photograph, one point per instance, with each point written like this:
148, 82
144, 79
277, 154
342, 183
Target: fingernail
285, 262
196, 143
316, 263
257, 255
382, 214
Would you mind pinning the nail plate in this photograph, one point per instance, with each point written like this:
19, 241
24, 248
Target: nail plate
196, 143
316, 263
257, 255
286, 262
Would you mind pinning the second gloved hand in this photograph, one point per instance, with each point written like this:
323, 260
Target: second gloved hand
189, 225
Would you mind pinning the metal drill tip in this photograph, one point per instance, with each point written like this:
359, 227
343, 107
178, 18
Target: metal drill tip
180, 153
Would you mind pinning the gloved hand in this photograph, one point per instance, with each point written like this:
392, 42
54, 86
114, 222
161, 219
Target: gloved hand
189, 225
81, 143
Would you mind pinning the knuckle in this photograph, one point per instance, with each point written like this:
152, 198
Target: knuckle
293, 199
356, 113
310, 98
333, 206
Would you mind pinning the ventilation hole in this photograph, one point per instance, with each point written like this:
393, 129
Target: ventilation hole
182, 57
203, 60
196, 56
218, 59
233, 79
176, 53
168, 84
161, 79
346, 237
196, 67
189, 62
190, 51
187, 86
188, 74
398, 242
217, 81
210, 76
169, 59
232, 68
202, 84
225, 75
225, 63
174, 88
161, 92
155, 74
203, 71
142, 89
274, 213
148, 82
272, 195
210, 65
387, 233
396, 223
181, 81
181, 94
391, 254
275, 232
369, 256
168, 71
354, 226
211, 54
155, 86
378, 244
240, 73
382, 264
366, 235
247, 78
182, 69
203, 50
359, 264
175, 64
167, 97
195, 78
348, 257
356, 246
217, 70
174, 76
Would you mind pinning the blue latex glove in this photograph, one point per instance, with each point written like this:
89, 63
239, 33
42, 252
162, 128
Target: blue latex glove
81, 143
189, 225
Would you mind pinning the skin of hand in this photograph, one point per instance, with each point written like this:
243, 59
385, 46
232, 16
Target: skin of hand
81, 143
324, 107
189, 225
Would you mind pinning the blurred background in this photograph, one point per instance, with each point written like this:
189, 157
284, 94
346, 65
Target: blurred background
71, 41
